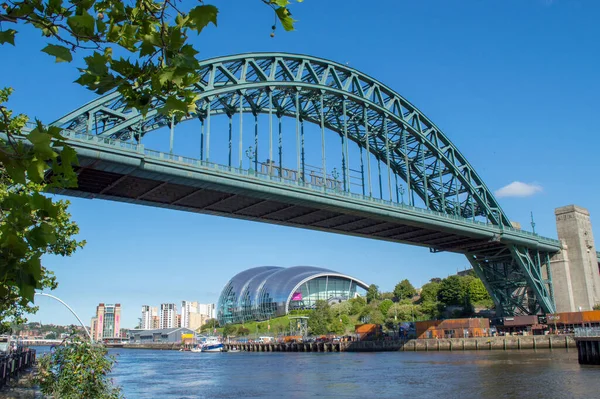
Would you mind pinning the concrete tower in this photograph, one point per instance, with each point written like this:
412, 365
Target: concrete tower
575, 272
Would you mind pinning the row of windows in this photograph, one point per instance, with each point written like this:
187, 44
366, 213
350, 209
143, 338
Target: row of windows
263, 305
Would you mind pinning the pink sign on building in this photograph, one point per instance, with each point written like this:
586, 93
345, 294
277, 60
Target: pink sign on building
297, 296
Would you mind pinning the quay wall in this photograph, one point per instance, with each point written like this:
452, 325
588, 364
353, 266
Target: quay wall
416, 345
459, 344
413, 345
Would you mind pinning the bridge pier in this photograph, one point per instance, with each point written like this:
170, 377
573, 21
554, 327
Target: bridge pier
575, 275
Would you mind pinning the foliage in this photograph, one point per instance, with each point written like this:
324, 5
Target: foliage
477, 292
356, 305
77, 369
372, 293
342, 308
596, 306
430, 309
242, 331
30, 225
209, 325
372, 314
451, 291
429, 292
387, 295
156, 66
404, 290
229, 329
320, 318
463, 291
385, 305
51, 335
405, 311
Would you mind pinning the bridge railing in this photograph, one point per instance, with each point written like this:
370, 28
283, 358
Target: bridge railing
587, 332
138, 148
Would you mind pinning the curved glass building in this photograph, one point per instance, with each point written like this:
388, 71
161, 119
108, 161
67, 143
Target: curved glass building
270, 291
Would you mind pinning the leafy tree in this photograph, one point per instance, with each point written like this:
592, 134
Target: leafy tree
404, 311
429, 292
477, 291
75, 370
242, 331
596, 306
342, 308
387, 295
372, 293
404, 290
229, 329
337, 327
451, 291
430, 309
30, 225
356, 305
385, 305
372, 314
320, 319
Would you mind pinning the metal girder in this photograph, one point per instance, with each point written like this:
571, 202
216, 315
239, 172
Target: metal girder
249, 75
377, 119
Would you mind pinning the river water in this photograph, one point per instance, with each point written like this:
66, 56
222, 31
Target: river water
145, 374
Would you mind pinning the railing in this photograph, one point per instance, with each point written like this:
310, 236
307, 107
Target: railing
103, 141
587, 332
11, 365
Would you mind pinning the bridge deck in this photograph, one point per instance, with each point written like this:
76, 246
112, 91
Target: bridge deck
127, 172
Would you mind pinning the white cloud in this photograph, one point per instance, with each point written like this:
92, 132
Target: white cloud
519, 189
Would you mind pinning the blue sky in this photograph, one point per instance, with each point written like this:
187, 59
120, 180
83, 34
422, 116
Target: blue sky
513, 83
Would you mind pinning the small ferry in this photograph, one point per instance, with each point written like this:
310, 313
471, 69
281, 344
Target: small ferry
212, 344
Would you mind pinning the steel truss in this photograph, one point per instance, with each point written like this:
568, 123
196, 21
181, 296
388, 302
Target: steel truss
361, 110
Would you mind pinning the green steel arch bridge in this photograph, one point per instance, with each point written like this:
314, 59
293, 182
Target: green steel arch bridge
305, 142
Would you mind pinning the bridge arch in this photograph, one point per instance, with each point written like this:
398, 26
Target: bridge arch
361, 110
354, 105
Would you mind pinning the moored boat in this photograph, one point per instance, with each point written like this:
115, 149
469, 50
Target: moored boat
212, 344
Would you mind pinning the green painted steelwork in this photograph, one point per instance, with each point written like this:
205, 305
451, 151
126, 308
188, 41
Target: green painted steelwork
380, 122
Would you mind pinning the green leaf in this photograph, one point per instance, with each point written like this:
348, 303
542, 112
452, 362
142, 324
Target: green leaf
35, 170
96, 64
280, 3
41, 236
41, 144
8, 36
82, 25
61, 53
201, 16
285, 18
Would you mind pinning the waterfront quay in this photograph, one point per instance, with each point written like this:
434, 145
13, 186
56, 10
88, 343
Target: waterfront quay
416, 345
508, 342
588, 345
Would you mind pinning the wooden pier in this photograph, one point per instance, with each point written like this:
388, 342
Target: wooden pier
288, 347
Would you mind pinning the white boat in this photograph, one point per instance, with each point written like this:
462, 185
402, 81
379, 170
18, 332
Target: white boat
212, 344
233, 350
196, 349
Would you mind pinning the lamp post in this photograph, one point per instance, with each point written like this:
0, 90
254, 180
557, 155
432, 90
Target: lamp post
401, 192
250, 153
335, 175
71, 310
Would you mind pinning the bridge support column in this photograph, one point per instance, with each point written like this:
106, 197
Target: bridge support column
575, 271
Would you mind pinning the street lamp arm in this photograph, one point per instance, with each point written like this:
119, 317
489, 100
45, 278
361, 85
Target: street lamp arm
72, 311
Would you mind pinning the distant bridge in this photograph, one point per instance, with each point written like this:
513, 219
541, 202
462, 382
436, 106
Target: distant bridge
329, 149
